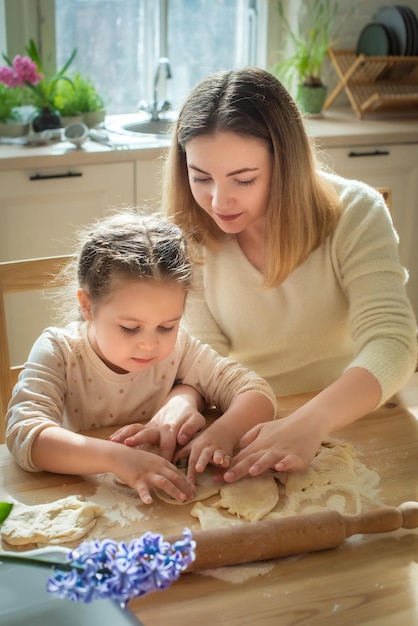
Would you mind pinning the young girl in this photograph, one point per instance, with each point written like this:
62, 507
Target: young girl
300, 278
119, 364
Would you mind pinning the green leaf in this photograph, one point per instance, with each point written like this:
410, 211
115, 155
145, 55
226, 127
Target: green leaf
5, 508
33, 53
70, 60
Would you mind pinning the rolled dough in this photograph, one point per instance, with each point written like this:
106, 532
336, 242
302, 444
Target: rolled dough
332, 466
250, 498
205, 488
210, 517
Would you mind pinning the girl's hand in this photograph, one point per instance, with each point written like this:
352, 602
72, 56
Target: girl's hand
144, 470
163, 430
282, 445
210, 446
176, 423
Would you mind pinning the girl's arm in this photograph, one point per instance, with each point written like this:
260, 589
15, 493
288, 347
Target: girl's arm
291, 443
58, 450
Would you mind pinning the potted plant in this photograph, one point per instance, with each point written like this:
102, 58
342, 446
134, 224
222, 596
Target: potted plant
13, 121
27, 71
80, 99
66, 101
90, 103
310, 42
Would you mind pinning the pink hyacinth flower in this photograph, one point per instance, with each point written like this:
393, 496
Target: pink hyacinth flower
9, 77
26, 70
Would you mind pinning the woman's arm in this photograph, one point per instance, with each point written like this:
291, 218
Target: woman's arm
291, 443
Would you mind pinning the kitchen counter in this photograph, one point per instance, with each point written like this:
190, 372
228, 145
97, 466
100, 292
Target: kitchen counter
368, 580
65, 154
338, 127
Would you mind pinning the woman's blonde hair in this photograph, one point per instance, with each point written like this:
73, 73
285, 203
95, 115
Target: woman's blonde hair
302, 209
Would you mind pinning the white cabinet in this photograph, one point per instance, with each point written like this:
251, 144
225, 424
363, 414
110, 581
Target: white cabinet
394, 167
40, 210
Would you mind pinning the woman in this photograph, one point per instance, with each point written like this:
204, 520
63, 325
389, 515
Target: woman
300, 277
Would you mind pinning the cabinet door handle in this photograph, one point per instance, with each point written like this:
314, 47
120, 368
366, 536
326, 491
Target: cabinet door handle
353, 153
47, 176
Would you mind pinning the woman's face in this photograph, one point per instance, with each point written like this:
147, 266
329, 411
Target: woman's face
229, 176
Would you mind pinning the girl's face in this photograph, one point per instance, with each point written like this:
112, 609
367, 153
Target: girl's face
229, 176
136, 325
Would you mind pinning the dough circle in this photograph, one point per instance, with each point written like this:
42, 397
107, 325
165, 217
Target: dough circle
250, 498
205, 488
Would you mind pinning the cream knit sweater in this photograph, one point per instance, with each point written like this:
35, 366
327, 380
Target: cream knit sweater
345, 306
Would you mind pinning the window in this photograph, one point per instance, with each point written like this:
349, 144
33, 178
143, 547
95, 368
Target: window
119, 43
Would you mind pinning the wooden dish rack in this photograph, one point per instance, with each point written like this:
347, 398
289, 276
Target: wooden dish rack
375, 84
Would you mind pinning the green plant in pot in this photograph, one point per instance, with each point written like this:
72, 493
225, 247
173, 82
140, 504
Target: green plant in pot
310, 41
91, 103
80, 98
26, 71
66, 101
13, 101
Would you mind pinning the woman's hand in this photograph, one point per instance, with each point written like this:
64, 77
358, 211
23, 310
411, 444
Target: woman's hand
290, 444
284, 445
176, 423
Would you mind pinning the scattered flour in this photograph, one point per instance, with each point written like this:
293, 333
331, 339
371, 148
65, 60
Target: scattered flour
239, 573
121, 503
336, 480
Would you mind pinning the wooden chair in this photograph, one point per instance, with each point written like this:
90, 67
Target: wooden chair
387, 196
17, 277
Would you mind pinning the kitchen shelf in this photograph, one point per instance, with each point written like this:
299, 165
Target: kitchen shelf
375, 84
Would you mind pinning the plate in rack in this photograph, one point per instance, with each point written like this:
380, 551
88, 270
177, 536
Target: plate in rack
392, 18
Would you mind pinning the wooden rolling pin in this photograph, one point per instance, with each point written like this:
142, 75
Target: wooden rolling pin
271, 539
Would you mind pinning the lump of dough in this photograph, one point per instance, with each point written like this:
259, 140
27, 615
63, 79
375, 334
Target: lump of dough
250, 498
62, 521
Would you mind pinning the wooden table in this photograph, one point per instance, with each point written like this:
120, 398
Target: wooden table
370, 579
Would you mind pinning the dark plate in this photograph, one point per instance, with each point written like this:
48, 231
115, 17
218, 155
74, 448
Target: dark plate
414, 26
392, 18
409, 30
374, 40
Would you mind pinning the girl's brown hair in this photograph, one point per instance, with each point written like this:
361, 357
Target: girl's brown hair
126, 245
302, 209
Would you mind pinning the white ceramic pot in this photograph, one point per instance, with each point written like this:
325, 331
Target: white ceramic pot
93, 118
13, 129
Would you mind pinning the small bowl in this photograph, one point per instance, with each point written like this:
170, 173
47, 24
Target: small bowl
76, 133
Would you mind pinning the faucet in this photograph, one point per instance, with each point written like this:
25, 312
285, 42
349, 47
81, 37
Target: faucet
155, 107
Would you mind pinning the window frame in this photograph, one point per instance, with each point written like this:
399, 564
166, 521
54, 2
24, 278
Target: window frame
26, 19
